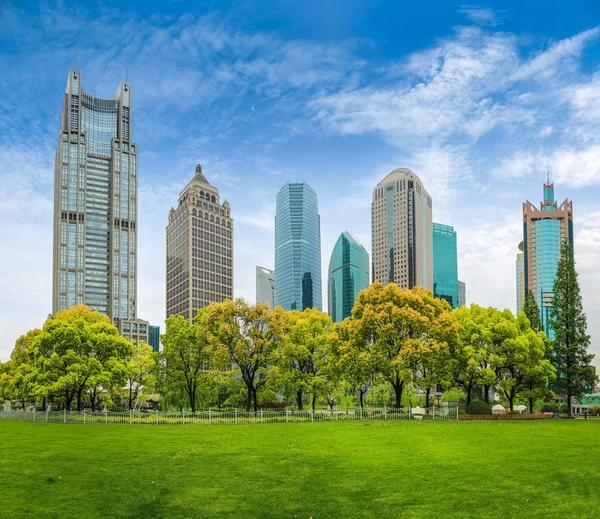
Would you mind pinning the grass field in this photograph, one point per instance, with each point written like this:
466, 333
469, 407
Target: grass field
325, 470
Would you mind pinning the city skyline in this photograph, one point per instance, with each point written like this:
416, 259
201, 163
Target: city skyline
478, 109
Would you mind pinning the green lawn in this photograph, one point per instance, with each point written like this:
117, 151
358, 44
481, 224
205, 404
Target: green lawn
322, 470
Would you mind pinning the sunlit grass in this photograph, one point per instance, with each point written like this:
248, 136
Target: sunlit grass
321, 470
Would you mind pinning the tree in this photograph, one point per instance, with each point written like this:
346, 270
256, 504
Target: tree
186, 351
569, 324
247, 337
470, 354
78, 349
141, 371
519, 358
532, 311
304, 353
388, 323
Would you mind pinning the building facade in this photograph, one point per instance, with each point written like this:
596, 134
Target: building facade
348, 275
154, 337
297, 248
445, 263
265, 286
544, 230
520, 278
401, 227
95, 207
199, 249
462, 294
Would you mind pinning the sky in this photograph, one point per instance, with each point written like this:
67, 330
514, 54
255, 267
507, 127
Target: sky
480, 101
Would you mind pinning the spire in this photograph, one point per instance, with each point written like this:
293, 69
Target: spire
199, 175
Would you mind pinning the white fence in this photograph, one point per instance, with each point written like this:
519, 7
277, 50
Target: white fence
232, 417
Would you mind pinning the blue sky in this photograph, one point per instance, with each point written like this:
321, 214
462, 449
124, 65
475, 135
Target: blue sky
479, 100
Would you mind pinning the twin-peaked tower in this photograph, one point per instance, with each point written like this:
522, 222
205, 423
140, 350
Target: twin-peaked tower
199, 249
95, 208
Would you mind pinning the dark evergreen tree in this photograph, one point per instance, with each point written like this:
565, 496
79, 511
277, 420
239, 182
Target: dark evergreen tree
575, 375
532, 311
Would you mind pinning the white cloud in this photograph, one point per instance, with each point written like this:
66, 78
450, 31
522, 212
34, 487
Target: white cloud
480, 15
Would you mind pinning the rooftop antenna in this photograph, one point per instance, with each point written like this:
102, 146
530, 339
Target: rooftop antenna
548, 176
76, 43
126, 64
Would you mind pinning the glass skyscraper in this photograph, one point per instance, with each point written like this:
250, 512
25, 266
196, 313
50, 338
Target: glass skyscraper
544, 230
95, 208
297, 248
348, 275
520, 278
445, 263
265, 286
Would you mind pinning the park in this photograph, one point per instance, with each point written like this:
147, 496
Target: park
414, 469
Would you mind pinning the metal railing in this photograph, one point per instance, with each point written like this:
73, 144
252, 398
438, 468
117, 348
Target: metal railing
236, 416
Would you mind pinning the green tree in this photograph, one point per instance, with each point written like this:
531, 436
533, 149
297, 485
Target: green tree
77, 350
532, 311
387, 324
186, 353
304, 353
141, 372
245, 336
569, 324
471, 354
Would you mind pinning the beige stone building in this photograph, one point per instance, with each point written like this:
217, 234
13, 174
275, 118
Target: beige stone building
401, 230
199, 249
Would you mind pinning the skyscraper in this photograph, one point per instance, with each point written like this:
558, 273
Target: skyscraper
520, 279
95, 207
297, 248
445, 263
348, 275
199, 249
401, 229
265, 286
544, 230
462, 294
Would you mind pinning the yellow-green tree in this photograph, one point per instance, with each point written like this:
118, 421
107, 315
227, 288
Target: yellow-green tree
389, 324
246, 337
77, 350
304, 355
141, 371
186, 354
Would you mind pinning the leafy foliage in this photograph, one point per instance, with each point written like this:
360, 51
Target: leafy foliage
479, 407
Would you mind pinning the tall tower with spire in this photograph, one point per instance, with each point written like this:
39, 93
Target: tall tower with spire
544, 231
199, 249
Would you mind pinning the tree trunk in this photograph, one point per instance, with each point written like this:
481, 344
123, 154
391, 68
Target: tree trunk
486, 393
468, 389
314, 399
530, 405
79, 398
398, 387
569, 410
44, 403
299, 400
361, 396
427, 397
255, 397
130, 396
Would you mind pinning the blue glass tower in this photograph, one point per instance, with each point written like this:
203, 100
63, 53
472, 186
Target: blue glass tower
544, 230
297, 248
445, 264
348, 275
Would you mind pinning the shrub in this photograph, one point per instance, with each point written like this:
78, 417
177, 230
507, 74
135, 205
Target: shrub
479, 407
514, 412
594, 411
118, 410
274, 405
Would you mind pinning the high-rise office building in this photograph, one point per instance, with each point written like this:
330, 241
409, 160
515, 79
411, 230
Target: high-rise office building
265, 286
297, 248
154, 337
445, 263
544, 231
348, 275
462, 294
401, 226
520, 278
95, 208
199, 249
